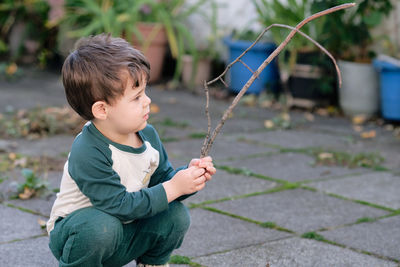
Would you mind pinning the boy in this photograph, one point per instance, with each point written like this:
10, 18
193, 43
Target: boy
119, 195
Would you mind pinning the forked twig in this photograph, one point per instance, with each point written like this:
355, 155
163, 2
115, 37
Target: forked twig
209, 140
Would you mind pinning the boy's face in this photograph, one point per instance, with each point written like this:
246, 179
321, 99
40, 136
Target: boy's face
129, 113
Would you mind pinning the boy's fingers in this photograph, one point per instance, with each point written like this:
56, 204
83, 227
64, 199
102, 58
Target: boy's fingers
208, 176
200, 180
198, 171
212, 170
208, 158
200, 186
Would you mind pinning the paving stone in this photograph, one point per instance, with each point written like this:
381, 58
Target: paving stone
212, 232
7, 145
334, 125
378, 187
167, 133
388, 148
33, 252
39, 205
54, 146
292, 252
299, 210
300, 139
292, 167
14, 178
380, 237
225, 185
16, 224
32, 90
223, 148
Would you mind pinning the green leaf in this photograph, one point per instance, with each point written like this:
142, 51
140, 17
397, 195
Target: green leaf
373, 19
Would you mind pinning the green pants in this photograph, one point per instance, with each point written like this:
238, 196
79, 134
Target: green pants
89, 237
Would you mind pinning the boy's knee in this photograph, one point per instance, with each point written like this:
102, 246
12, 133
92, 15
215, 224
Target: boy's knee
102, 229
90, 227
179, 216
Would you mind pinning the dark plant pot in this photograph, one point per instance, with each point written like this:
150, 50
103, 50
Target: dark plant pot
313, 78
390, 89
239, 74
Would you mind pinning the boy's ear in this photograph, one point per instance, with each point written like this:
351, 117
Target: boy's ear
99, 110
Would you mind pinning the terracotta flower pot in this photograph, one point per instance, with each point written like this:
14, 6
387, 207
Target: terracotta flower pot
153, 47
202, 74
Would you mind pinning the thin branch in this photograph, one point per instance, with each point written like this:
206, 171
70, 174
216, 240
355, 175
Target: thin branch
244, 64
317, 45
222, 80
208, 118
209, 141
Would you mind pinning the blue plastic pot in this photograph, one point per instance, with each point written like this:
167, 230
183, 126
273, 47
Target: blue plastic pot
239, 74
390, 89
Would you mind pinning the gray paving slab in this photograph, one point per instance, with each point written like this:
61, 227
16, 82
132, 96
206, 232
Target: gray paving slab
225, 185
41, 205
16, 224
212, 232
300, 139
380, 188
292, 167
223, 148
34, 89
33, 252
292, 252
388, 148
167, 133
14, 178
191, 109
54, 146
299, 210
380, 237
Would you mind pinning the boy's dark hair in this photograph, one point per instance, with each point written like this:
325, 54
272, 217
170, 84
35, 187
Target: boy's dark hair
94, 71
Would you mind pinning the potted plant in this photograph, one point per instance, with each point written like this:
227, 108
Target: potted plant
197, 64
268, 79
388, 66
139, 21
306, 67
25, 34
348, 36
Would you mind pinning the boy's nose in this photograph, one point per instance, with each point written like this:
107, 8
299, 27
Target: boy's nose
148, 101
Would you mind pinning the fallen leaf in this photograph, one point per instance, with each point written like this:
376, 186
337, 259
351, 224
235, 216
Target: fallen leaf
154, 108
42, 223
323, 112
357, 128
325, 155
389, 127
285, 116
11, 69
249, 100
266, 104
27, 194
12, 156
309, 116
172, 100
369, 134
359, 119
269, 124
21, 162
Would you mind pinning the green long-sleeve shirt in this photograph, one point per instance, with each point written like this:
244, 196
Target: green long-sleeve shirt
120, 180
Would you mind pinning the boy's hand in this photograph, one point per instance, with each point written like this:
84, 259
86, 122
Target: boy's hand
205, 163
185, 182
